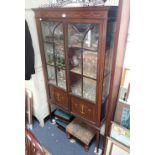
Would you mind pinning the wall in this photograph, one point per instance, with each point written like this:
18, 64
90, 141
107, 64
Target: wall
36, 84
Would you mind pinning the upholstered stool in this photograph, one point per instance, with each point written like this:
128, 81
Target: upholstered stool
81, 131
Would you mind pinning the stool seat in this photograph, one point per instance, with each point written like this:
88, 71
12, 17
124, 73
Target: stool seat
81, 131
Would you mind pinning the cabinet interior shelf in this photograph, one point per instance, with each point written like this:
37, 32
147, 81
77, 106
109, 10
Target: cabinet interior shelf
84, 75
55, 42
85, 48
52, 65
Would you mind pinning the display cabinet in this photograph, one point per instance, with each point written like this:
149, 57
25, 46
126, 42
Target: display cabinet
76, 47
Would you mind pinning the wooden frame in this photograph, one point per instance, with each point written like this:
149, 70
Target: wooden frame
114, 147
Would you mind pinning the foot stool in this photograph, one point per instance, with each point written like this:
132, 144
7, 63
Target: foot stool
81, 131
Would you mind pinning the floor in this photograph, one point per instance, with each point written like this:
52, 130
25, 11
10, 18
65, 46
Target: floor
56, 142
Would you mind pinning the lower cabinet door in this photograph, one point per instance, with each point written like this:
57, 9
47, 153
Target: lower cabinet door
83, 108
59, 97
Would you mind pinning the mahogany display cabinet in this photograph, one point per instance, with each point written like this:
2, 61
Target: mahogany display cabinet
76, 46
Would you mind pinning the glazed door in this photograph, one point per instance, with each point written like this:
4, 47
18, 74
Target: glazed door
83, 41
53, 39
83, 50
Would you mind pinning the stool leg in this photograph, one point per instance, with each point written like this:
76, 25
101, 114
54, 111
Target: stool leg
86, 147
68, 135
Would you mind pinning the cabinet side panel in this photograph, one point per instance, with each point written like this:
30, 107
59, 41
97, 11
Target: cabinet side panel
118, 59
111, 29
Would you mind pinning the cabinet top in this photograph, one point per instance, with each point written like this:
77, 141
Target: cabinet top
93, 8
96, 12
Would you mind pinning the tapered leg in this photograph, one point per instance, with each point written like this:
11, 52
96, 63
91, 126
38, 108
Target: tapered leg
97, 140
104, 142
86, 147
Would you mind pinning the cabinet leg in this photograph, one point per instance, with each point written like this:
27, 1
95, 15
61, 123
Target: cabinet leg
86, 147
68, 135
103, 148
102, 152
97, 140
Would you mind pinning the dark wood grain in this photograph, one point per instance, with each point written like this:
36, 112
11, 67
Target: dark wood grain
100, 73
59, 96
92, 12
83, 108
89, 112
32, 145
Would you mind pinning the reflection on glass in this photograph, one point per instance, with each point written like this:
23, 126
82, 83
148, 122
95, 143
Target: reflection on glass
85, 35
52, 32
61, 77
89, 89
111, 29
82, 53
105, 88
59, 58
58, 34
51, 74
54, 52
89, 64
47, 29
76, 88
49, 54
75, 60
91, 39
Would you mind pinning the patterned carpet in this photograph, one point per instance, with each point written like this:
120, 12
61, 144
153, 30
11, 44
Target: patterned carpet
56, 142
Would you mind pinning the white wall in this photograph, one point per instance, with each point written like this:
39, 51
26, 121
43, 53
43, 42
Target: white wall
36, 84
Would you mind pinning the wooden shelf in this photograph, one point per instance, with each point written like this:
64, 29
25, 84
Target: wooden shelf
60, 44
85, 48
84, 75
63, 68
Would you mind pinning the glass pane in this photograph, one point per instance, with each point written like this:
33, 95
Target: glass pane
89, 64
59, 57
75, 37
76, 86
89, 89
111, 29
75, 60
47, 30
49, 54
54, 52
83, 35
61, 77
51, 74
58, 34
59, 47
91, 38
82, 53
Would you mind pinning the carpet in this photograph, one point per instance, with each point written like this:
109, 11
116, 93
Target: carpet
56, 141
